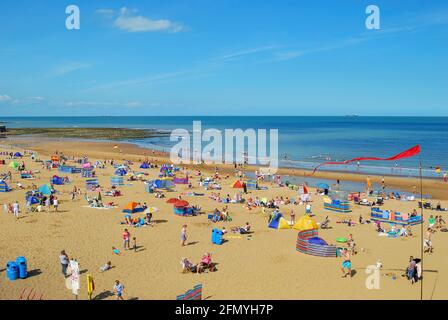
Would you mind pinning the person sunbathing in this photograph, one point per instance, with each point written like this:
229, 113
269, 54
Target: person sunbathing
241, 230
106, 267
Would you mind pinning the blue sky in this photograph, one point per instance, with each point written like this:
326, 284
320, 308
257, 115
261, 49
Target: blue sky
223, 57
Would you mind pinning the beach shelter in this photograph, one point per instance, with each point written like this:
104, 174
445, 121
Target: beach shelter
172, 200
305, 223
14, 164
18, 154
251, 185
57, 180
181, 180
4, 186
278, 222
45, 189
237, 184
120, 172
116, 181
323, 186
144, 165
32, 200
132, 207
91, 184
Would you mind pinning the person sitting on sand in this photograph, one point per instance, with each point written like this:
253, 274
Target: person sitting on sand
242, 230
403, 232
187, 266
379, 229
206, 263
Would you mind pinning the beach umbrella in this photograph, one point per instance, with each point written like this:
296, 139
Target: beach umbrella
181, 203
322, 185
172, 200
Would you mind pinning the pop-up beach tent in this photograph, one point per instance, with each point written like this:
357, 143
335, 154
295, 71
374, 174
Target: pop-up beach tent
4, 186
305, 223
133, 207
57, 180
45, 189
18, 155
120, 172
278, 222
144, 165
237, 184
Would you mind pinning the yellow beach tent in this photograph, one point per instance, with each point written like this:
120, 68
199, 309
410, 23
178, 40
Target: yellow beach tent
305, 223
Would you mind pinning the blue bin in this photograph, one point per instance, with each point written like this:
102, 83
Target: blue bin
21, 262
214, 235
12, 270
218, 237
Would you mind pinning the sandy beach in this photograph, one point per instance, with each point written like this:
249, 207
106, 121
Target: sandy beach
264, 266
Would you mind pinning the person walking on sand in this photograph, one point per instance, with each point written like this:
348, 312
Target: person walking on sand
346, 263
55, 204
16, 209
64, 259
118, 290
126, 239
293, 217
427, 243
183, 235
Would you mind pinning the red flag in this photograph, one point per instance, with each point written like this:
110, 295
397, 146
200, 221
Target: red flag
405, 154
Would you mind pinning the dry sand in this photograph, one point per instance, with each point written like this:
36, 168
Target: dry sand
265, 267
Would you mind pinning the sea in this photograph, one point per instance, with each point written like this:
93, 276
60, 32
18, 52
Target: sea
303, 142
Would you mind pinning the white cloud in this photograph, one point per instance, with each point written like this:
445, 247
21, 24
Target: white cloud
69, 67
5, 98
128, 20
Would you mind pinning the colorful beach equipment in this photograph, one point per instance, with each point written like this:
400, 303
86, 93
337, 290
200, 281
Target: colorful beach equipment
69, 169
133, 207
87, 172
308, 242
251, 185
237, 184
337, 201
180, 180
193, 294
45, 189
116, 181
59, 181
305, 223
278, 222
4, 186
387, 216
14, 164
145, 165
92, 184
